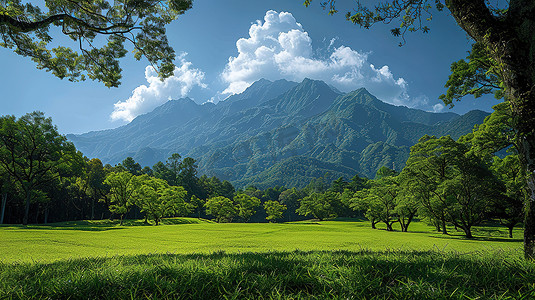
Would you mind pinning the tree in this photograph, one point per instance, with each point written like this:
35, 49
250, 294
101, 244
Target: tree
95, 176
221, 207
161, 171
187, 176
317, 205
506, 33
431, 162
407, 207
290, 198
33, 153
6, 187
245, 205
469, 193
157, 199
357, 183
379, 201
130, 165
123, 187
198, 204
508, 208
339, 185
24, 27
274, 210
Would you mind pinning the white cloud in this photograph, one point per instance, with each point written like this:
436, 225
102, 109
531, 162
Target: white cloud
145, 98
278, 48
439, 107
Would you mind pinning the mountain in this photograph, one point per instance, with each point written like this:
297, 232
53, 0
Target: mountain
278, 133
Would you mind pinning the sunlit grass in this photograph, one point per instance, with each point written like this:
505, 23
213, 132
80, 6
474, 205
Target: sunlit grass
188, 258
274, 275
48, 243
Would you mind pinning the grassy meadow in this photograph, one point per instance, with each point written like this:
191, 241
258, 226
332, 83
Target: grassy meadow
48, 243
197, 259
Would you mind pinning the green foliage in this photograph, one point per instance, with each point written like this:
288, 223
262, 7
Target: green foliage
274, 210
508, 207
379, 201
450, 183
411, 14
24, 27
385, 172
477, 76
221, 208
123, 188
34, 154
130, 165
494, 135
157, 199
290, 198
321, 206
246, 205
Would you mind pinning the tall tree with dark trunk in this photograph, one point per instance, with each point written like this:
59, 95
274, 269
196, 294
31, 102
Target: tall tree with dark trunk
33, 153
506, 32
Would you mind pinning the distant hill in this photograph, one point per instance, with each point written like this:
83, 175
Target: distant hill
278, 133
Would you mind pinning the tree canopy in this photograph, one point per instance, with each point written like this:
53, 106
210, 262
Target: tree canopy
99, 30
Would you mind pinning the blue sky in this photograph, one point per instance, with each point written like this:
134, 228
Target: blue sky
223, 46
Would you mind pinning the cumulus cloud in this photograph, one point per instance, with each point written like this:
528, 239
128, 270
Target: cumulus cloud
438, 107
279, 47
147, 97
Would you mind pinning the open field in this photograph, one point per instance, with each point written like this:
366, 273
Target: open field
196, 259
100, 238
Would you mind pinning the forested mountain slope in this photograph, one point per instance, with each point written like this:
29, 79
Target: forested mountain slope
278, 133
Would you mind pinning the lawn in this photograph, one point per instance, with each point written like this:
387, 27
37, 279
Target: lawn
197, 259
185, 236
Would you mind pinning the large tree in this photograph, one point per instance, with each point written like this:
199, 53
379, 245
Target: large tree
157, 199
246, 205
34, 154
123, 189
99, 31
505, 29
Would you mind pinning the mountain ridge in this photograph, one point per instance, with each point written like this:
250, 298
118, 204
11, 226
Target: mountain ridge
247, 138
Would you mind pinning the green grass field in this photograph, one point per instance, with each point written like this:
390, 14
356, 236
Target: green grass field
185, 236
197, 259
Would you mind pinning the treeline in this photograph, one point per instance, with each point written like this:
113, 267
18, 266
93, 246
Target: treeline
445, 182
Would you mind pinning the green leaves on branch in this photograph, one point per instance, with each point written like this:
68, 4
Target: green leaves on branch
477, 75
411, 14
98, 29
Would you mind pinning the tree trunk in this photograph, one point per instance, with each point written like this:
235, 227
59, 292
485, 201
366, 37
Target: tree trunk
92, 208
37, 214
373, 224
4, 201
46, 214
444, 229
389, 226
468, 232
511, 231
26, 208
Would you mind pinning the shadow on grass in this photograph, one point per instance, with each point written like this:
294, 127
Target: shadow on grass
478, 238
104, 225
297, 274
